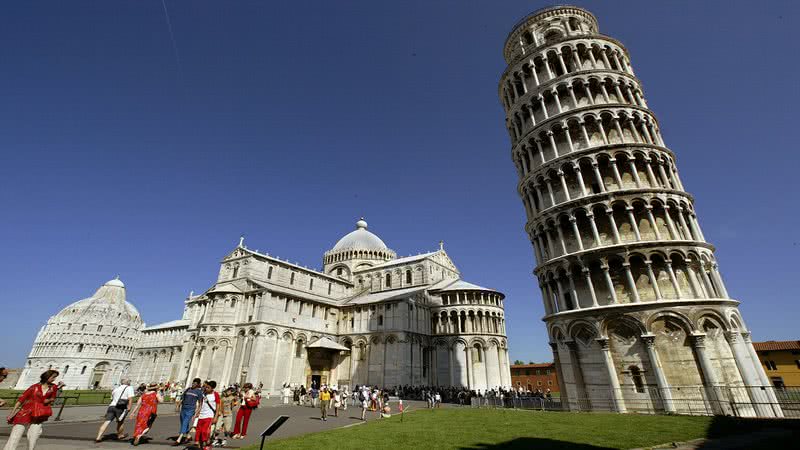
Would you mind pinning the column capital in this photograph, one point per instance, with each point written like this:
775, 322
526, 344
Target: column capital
572, 218
553, 346
746, 335
590, 215
604, 343
698, 339
549, 133
648, 262
732, 337
649, 339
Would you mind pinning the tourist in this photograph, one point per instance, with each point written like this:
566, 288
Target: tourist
287, 393
365, 402
249, 403
314, 394
337, 403
147, 408
438, 400
32, 409
225, 421
324, 402
190, 401
303, 394
343, 398
3, 375
117, 409
207, 415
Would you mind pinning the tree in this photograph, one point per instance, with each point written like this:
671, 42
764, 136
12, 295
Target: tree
518, 362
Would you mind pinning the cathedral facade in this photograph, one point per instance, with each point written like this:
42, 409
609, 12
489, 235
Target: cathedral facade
637, 312
368, 317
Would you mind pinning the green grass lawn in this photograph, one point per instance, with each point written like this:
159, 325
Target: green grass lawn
84, 397
455, 428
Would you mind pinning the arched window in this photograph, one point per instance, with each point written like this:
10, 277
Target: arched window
83, 327
269, 273
298, 349
380, 321
339, 271
408, 277
235, 272
83, 370
362, 352
352, 322
66, 369
527, 38
388, 280
291, 278
69, 325
99, 328
108, 349
80, 348
636, 376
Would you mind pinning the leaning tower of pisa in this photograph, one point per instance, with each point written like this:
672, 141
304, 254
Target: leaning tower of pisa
636, 310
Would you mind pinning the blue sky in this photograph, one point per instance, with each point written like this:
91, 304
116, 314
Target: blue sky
286, 121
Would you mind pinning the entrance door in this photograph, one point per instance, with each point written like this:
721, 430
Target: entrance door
316, 381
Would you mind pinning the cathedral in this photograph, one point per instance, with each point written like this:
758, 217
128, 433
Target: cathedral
368, 317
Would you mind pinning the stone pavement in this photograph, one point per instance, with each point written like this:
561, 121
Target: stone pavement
79, 435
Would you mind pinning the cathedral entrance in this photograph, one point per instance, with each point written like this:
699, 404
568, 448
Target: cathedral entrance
323, 357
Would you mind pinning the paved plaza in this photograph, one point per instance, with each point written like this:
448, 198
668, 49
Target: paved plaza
80, 424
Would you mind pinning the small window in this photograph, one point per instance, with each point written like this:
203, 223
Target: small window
269, 273
388, 280
83, 327
108, 349
80, 348
99, 328
380, 321
326, 313
66, 369
83, 370
330, 286
298, 350
235, 272
636, 376
339, 271
69, 325
291, 278
250, 318
286, 305
314, 311
408, 277
352, 322
311, 285
300, 310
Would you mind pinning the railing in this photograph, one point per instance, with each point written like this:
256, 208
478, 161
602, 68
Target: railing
740, 401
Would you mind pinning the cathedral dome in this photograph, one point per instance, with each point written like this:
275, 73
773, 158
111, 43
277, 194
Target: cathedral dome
360, 239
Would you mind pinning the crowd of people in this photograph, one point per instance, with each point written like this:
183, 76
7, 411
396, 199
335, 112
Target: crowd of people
206, 417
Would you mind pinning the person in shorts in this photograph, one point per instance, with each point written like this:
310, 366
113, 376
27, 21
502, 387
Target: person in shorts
189, 404
117, 409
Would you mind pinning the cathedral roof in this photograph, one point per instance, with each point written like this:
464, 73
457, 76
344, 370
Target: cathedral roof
360, 239
327, 344
461, 285
171, 324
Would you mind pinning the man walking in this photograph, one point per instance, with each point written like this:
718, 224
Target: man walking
324, 401
189, 404
117, 409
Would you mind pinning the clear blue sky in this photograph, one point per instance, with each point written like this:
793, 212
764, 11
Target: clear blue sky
287, 121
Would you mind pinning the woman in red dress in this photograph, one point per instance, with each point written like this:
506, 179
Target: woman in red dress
32, 410
148, 409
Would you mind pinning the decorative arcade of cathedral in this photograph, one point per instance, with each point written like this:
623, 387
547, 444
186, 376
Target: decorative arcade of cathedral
636, 310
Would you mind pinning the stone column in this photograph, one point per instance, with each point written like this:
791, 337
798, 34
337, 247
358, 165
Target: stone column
649, 341
613, 223
673, 279
609, 282
631, 283
588, 276
560, 375
226, 371
634, 225
718, 404
619, 401
577, 232
747, 370
595, 233
762, 376
653, 279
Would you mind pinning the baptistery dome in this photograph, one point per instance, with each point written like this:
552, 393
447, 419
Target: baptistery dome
90, 342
